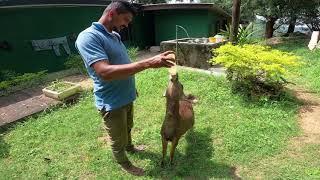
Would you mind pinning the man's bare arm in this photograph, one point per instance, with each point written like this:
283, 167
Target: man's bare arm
111, 72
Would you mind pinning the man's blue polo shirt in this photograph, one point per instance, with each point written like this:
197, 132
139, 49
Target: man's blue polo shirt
97, 44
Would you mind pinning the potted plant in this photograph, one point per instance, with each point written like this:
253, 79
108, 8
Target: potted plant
61, 90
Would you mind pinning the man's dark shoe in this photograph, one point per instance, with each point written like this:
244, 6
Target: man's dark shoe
129, 168
136, 149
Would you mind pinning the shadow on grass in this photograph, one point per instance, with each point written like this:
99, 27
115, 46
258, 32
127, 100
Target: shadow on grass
286, 100
290, 45
4, 147
197, 163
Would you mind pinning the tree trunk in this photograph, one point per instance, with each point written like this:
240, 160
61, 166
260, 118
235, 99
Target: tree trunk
314, 40
235, 20
292, 25
269, 27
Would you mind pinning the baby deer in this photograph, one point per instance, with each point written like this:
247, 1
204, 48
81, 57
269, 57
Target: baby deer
179, 116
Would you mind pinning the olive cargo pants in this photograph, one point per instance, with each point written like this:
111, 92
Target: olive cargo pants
119, 123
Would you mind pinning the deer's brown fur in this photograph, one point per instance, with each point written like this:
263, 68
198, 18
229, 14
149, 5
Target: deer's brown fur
179, 116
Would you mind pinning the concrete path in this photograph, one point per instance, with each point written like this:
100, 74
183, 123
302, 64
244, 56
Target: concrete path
30, 101
22, 104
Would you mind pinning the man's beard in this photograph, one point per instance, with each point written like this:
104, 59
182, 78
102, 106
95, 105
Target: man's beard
115, 29
122, 28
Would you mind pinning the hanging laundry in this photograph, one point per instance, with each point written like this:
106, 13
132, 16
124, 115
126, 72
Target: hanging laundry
49, 44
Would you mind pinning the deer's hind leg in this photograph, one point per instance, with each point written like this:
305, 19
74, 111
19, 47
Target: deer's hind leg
173, 148
164, 150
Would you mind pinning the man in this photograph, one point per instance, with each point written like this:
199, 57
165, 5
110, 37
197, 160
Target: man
108, 64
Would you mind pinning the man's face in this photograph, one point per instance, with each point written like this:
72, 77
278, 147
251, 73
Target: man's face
121, 21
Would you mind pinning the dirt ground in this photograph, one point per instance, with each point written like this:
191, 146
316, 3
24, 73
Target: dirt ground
309, 118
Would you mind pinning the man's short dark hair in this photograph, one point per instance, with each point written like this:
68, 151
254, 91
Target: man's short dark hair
121, 7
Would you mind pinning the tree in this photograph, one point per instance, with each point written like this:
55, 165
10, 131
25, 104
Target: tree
289, 11
277, 12
272, 10
227, 6
296, 11
235, 20
311, 14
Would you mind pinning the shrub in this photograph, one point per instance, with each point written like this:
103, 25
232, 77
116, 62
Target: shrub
75, 61
7, 74
21, 81
254, 69
244, 35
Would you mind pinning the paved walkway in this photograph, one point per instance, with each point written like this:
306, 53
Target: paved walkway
29, 101
23, 103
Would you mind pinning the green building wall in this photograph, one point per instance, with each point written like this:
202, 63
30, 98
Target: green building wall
143, 31
21, 25
198, 23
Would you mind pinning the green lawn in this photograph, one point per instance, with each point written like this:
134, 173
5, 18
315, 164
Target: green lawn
230, 133
307, 75
297, 160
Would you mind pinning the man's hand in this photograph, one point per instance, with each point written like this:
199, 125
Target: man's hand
162, 60
111, 72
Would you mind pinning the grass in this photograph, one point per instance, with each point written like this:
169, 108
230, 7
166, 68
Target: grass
59, 86
133, 53
11, 81
307, 75
295, 161
230, 132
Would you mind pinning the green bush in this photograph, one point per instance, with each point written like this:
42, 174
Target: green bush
25, 80
254, 69
244, 35
76, 62
7, 74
